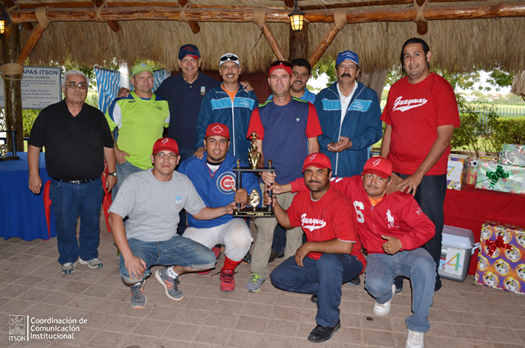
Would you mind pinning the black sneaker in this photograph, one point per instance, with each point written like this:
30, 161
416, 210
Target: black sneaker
247, 258
274, 255
355, 281
322, 333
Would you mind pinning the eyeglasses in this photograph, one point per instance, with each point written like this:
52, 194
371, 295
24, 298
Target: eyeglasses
80, 85
166, 155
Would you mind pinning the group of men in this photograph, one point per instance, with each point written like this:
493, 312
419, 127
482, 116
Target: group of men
308, 138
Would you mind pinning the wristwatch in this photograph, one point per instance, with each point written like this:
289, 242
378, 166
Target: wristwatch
113, 174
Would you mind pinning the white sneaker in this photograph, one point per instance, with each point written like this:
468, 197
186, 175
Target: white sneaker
415, 339
384, 309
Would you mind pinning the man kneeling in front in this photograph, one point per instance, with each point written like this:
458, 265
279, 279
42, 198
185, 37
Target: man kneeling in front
152, 200
331, 255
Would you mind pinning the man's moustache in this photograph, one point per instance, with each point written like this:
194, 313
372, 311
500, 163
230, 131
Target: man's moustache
345, 74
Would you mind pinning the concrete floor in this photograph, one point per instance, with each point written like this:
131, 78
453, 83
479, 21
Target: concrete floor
464, 314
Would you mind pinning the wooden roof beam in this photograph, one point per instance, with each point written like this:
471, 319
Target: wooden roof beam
31, 43
112, 24
491, 10
371, 3
9, 4
194, 26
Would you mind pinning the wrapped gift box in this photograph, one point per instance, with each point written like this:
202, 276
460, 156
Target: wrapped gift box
501, 177
513, 154
457, 171
501, 260
472, 171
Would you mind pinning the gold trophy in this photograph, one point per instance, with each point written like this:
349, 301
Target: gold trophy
254, 158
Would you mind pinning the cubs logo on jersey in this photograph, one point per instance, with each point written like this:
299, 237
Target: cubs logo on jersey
226, 183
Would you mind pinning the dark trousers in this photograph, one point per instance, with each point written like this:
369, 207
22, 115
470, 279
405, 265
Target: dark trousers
430, 196
323, 277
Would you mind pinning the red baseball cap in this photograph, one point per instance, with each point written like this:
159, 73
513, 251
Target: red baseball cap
218, 129
165, 144
286, 66
379, 166
318, 160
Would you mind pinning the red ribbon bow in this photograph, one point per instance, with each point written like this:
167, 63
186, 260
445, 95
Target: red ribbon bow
496, 244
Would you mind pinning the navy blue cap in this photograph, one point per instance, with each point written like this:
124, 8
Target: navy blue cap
189, 50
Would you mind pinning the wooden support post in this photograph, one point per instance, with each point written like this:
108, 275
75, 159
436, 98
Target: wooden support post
299, 43
112, 24
12, 87
194, 26
30, 44
422, 26
273, 43
323, 45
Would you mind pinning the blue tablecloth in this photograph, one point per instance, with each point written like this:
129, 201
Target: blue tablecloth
22, 213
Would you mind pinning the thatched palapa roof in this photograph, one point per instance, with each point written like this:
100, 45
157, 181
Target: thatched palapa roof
456, 44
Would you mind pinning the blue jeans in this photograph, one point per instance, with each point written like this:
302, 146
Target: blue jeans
323, 277
71, 201
177, 251
430, 196
415, 264
123, 171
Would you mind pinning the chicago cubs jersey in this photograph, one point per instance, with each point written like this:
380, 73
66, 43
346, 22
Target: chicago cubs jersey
216, 188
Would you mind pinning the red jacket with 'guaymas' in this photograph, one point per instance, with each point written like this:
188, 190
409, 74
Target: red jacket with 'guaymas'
397, 215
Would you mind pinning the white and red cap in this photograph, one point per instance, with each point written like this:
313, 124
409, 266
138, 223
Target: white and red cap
379, 166
218, 129
165, 144
318, 160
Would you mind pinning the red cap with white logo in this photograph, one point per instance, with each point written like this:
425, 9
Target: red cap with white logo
379, 166
218, 129
318, 160
165, 144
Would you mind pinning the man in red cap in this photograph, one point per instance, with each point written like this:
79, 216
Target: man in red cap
393, 230
287, 129
151, 200
332, 252
214, 179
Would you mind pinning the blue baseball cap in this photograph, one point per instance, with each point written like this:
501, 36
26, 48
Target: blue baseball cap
189, 50
352, 56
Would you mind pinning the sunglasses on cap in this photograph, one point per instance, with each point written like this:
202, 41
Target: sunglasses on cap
280, 62
229, 57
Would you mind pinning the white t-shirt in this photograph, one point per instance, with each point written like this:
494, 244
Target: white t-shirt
345, 101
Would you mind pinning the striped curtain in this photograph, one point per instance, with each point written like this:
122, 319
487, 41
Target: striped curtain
108, 84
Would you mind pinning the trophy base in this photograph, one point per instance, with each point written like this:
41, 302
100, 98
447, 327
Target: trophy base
259, 212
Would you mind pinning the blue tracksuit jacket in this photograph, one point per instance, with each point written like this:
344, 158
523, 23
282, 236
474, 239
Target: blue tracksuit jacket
362, 124
217, 106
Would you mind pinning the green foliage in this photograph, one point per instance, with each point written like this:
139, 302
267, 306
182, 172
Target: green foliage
28, 118
509, 131
325, 66
475, 133
499, 78
486, 132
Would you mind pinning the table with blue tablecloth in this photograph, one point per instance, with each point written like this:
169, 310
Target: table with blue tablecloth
22, 213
